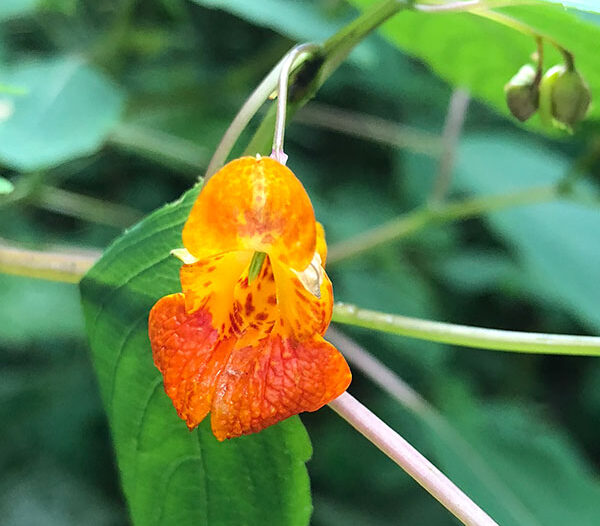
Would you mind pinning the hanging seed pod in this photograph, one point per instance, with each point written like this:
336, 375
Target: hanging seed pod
564, 97
570, 98
522, 94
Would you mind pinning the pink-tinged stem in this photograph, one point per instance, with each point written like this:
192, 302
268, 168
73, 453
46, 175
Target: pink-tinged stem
409, 459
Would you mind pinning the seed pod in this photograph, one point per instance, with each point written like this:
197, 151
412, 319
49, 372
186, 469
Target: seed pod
545, 100
564, 97
570, 98
522, 93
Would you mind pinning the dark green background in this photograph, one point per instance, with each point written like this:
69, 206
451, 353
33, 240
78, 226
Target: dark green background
145, 90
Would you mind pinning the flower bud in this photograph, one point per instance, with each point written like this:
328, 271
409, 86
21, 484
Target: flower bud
564, 97
522, 93
570, 98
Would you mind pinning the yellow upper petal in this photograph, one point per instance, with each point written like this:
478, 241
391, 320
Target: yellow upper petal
253, 204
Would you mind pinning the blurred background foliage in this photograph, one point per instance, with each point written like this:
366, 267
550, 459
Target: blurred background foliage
111, 108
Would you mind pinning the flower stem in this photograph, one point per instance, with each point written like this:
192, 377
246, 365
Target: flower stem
465, 336
333, 52
256, 99
360, 359
422, 217
521, 27
409, 459
282, 96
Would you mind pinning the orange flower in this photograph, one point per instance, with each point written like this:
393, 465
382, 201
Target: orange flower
249, 351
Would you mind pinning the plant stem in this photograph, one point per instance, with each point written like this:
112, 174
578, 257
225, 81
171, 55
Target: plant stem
412, 401
169, 149
68, 267
455, 118
71, 266
290, 59
466, 336
521, 27
85, 207
423, 217
468, 5
369, 127
409, 459
333, 52
256, 99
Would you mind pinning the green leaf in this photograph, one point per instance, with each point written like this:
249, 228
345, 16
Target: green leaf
6, 187
14, 8
169, 475
67, 110
298, 20
476, 53
536, 475
557, 243
301, 21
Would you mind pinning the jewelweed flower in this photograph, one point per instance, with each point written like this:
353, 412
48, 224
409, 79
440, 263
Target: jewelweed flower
246, 344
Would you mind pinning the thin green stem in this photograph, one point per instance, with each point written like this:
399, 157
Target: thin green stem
334, 51
423, 217
465, 336
166, 148
85, 207
521, 27
369, 127
253, 103
64, 266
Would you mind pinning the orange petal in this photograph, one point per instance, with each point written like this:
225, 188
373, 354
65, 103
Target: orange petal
188, 353
209, 284
321, 244
275, 378
253, 204
303, 314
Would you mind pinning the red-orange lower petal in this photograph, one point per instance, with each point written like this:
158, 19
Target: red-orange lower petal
188, 353
276, 378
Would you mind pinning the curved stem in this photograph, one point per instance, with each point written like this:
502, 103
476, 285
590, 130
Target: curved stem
381, 375
466, 336
517, 25
282, 94
243, 117
410, 460
422, 217
334, 51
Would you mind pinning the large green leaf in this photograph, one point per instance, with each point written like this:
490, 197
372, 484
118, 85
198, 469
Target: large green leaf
309, 20
65, 111
557, 242
476, 53
171, 476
